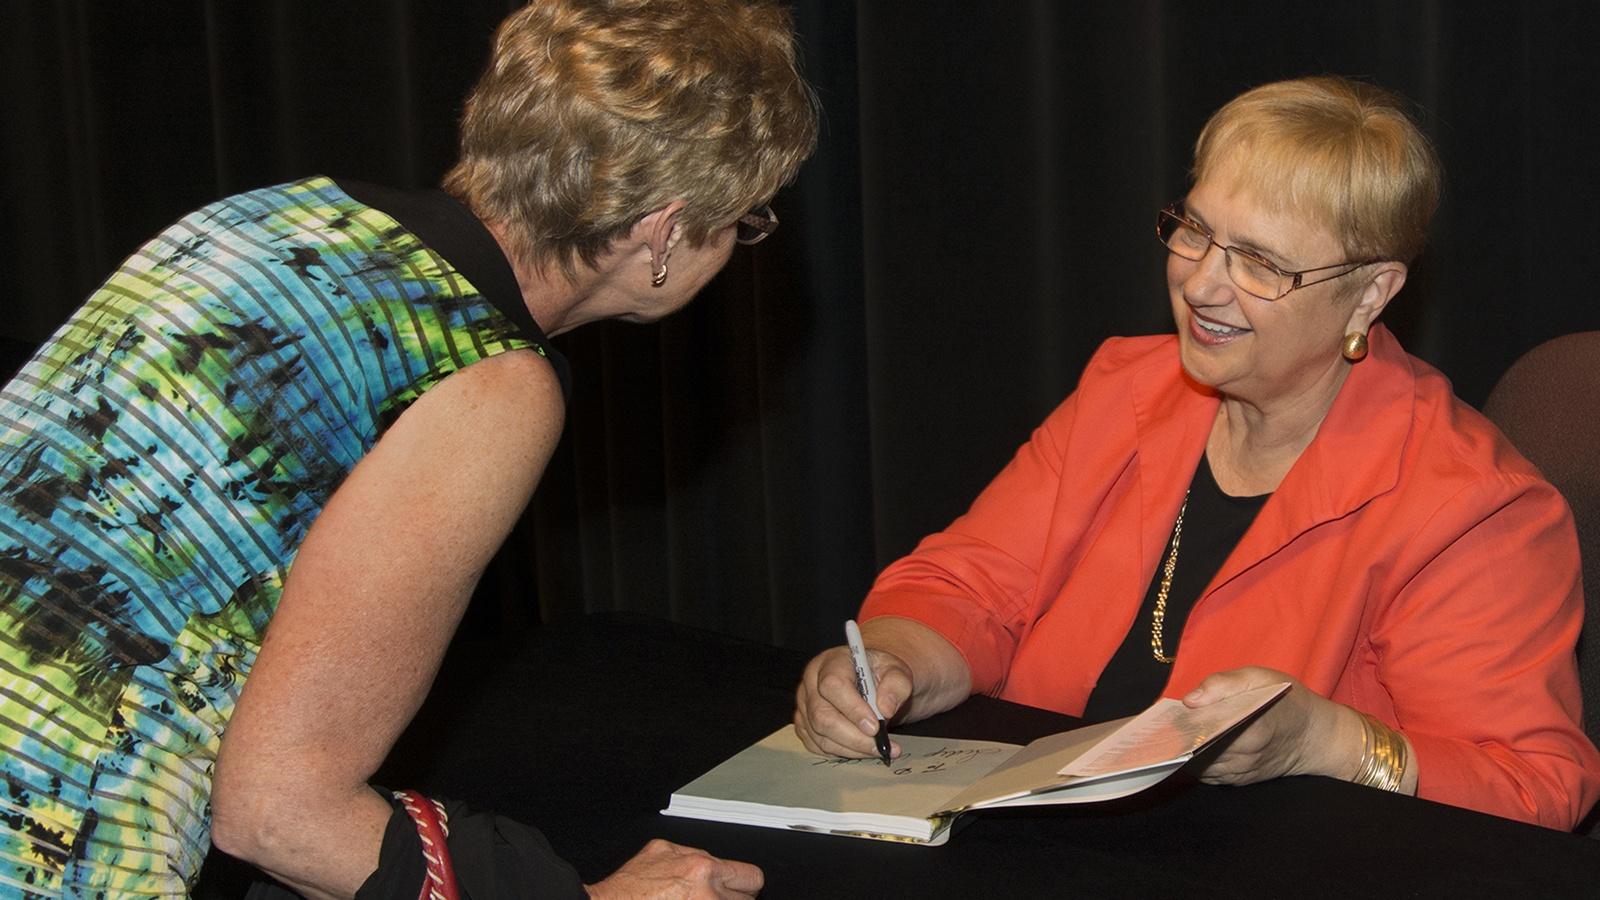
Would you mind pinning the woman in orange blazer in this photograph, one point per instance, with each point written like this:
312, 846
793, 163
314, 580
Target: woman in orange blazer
1352, 527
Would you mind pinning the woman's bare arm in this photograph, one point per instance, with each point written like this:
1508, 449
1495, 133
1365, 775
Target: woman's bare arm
371, 601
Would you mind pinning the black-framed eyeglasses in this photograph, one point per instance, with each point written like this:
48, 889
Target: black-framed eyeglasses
754, 226
1255, 275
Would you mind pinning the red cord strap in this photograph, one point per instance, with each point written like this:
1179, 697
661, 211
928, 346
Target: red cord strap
433, 828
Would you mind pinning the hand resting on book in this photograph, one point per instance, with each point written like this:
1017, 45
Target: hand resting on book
1303, 733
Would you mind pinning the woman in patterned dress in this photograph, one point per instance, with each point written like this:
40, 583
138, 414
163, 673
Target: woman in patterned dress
322, 405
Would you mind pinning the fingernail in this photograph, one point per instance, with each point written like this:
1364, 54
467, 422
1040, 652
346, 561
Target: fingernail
1195, 694
868, 726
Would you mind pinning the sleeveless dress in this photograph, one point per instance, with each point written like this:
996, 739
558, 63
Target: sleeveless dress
161, 459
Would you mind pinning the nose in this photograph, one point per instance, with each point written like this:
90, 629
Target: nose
1208, 283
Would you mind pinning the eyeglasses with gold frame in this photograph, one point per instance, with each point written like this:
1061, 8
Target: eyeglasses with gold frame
1254, 274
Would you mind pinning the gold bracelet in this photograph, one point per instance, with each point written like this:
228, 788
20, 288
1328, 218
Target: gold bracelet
1388, 756
1383, 756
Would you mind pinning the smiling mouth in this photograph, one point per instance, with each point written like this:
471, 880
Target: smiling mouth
1216, 329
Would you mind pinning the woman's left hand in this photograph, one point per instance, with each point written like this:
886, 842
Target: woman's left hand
1301, 734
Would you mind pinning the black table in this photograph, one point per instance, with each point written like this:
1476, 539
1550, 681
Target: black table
587, 729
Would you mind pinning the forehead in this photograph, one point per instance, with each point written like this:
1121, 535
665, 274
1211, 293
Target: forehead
1237, 213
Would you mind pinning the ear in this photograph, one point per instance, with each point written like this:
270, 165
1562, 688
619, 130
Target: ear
1379, 289
656, 230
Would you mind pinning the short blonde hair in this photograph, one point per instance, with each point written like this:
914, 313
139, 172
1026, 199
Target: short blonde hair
594, 113
1341, 150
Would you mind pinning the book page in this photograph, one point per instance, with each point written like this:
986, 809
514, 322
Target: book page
1033, 767
1169, 732
779, 772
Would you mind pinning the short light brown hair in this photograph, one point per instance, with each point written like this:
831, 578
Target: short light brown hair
1343, 151
594, 113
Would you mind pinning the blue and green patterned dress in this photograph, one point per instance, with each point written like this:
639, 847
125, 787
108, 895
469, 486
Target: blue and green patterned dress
161, 459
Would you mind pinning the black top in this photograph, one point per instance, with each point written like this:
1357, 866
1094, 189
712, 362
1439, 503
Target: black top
450, 229
1213, 524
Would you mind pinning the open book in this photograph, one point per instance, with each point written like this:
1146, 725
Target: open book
777, 783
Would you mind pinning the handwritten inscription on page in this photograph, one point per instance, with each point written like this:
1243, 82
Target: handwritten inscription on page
928, 772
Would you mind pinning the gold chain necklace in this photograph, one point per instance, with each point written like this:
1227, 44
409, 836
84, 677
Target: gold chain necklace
1167, 569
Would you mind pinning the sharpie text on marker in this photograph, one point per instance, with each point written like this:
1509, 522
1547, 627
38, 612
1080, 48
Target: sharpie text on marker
867, 684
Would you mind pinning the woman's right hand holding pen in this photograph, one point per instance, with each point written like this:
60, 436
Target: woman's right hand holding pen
918, 672
831, 716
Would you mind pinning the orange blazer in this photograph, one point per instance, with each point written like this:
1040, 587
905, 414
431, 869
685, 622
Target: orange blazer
1411, 565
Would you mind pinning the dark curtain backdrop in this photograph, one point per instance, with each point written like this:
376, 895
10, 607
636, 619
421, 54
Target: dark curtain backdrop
977, 219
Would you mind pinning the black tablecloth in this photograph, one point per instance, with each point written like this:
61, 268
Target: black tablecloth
587, 729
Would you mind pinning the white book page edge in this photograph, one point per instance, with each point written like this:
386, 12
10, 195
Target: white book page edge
929, 832
1110, 787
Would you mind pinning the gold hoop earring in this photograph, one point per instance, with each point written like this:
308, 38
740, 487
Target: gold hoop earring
657, 279
1354, 347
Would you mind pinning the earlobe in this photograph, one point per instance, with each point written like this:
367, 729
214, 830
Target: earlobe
659, 232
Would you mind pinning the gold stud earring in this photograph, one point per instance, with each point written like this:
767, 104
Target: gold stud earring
1354, 347
657, 279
